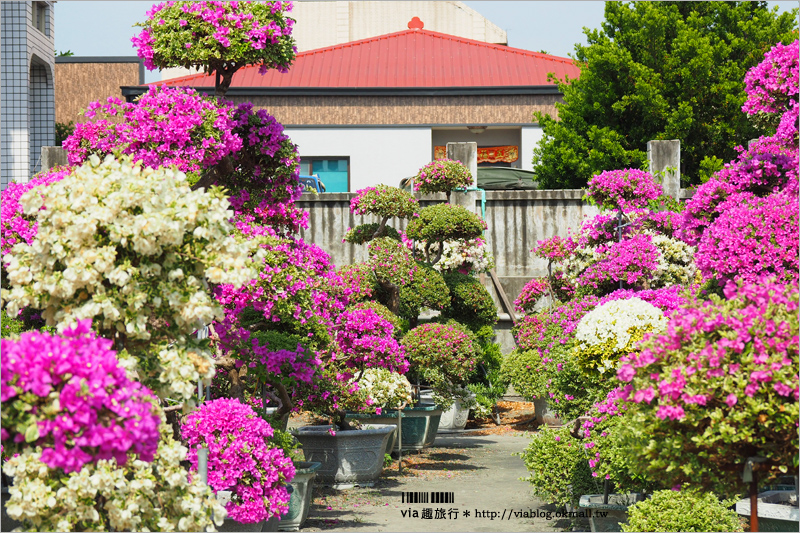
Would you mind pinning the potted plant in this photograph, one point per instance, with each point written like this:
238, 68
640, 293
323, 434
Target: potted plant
380, 394
362, 339
240, 461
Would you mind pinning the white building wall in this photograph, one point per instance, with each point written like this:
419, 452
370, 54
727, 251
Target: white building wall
531, 135
377, 155
25, 128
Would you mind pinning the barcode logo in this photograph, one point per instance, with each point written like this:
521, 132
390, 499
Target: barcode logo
427, 497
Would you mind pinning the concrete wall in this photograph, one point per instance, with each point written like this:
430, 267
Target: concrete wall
377, 155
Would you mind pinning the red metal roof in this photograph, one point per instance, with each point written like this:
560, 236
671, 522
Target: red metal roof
412, 58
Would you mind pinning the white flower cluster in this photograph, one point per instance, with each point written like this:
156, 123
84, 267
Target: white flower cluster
615, 322
473, 255
387, 389
179, 367
139, 496
675, 263
122, 244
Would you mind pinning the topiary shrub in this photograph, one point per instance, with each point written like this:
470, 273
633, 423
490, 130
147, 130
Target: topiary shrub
444, 355
444, 222
426, 290
443, 175
367, 232
719, 386
683, 510
558, 469
358, 281
470, 302
384, 201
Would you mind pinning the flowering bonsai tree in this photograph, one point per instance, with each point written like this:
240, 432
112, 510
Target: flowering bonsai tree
738, 219
68, 395
240, 459
380, 389
471, 256
612, 330
220, 37
727, 369
444, 355
443, 222
134, 249
442, 175
385, 202
15, 225
215, 143
622, 189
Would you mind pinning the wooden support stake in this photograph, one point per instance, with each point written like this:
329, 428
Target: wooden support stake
503, 298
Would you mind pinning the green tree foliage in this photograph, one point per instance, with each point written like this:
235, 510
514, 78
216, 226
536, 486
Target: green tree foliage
658, 70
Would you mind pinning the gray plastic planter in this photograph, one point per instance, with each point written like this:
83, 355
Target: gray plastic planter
300, 502
420, 425
348, 458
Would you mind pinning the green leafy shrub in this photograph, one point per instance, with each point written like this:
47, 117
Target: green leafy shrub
488, 384
444, 355
470, 302
366, 232
427, 289
445, 222
384, 201
559, 471
443, 175
684, 510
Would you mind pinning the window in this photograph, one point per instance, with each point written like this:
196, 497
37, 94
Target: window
39, 15
333, 172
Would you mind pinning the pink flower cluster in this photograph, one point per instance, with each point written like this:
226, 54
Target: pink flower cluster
555, 248
68, 394
772, 85
216, 23
268, 168
240, 459
597, 428
364, 339
744, 352
631, 261
15, 227
531, 292
384, 201
752, 237
623, 189
165, 126
558, 325
442, 175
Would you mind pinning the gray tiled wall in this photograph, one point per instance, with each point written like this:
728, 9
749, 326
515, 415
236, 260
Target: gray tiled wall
27, 104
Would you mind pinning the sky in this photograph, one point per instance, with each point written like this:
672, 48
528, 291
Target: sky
104, 28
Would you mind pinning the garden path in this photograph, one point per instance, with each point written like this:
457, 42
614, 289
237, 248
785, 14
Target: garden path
478, 466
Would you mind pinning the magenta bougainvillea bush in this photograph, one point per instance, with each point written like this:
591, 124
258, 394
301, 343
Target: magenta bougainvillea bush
719, 386
623, 189
364, 339
442, 175
530, 294
219, 37
772, 85
165, 126
240, 459
68, 394
15, 226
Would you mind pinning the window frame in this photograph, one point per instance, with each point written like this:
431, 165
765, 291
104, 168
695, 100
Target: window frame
313, 158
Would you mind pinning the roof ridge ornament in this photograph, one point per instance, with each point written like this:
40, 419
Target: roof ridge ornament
415, 24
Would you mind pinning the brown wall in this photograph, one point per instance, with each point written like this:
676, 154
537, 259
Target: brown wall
79, 84
337, 110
